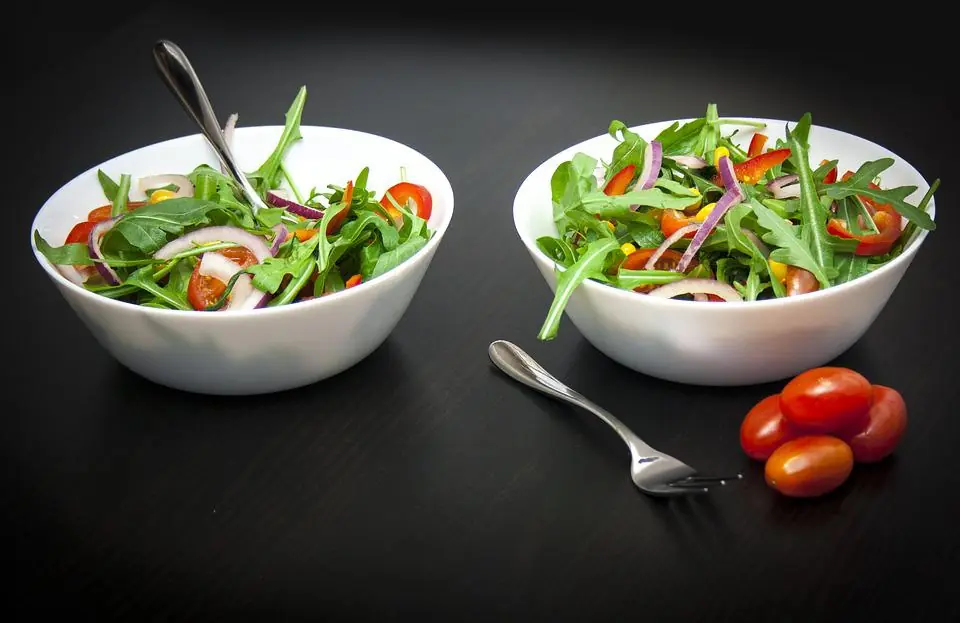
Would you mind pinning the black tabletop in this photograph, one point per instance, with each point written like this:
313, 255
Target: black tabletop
423, 482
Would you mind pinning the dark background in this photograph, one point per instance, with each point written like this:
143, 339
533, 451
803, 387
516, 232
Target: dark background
421, 482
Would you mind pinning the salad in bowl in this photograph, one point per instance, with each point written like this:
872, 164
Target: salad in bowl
191, 242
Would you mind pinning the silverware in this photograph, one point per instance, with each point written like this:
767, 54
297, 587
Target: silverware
652, 471
182, 80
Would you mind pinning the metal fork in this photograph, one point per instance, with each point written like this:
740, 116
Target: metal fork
654, 472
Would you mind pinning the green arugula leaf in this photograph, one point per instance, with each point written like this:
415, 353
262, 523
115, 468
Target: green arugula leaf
150, 227
269, 274
557, 250
859, 184
678, 140
267, 176
791, 250
122, 196
644, 234
800, 133
675, 188
631, 279
589, 264
369, 254
569, 183
391, 259
821, 172
75, 253
143, 279
850, 267
813, 222
629, 151
109, 187
737, 240
270, 217
619, 205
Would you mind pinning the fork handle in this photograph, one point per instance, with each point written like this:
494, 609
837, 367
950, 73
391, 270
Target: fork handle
521, 367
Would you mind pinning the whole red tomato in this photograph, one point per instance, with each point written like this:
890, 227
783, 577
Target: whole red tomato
887, 421
827, 400
765, 429
809, 466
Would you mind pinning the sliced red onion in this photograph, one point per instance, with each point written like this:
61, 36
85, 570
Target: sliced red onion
666, 244
228, 128
732, 196
93, 245
279, 239
652, 160
278, 197
184, 186
756, 240
691, 162
218, 233
694, 286
243, 295
71, 273
785, 187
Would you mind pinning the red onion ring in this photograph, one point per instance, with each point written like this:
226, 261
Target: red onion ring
756, 240
71, 273
279, 239
652, 161
216, 233
693, 285
278, 198
93, 245
691, 162
666, 244
785, 187
184, 186
732, 196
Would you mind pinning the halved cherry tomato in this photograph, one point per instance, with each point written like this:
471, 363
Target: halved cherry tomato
103, 212
800, 281
752, 171
619, 182
885, 427
809, 466
831, 176
334, 225
353, 281
404, 192
203, 290
888, 223
80, 232
764, 429
667, 261
756, 145
672, 220
829, 400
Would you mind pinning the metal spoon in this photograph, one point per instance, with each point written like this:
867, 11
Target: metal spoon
178, 74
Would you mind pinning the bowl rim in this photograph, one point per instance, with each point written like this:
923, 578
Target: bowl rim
241, 314
730, 306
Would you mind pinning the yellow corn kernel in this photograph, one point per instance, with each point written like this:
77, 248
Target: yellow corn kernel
628, 248
695, 191
696, 205
704, 212
778, 270
718, 153
611, 226
161, 194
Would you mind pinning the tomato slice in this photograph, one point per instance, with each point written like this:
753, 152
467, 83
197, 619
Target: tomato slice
756, 145
619, 182
203, 291
672, 220
667, 261
403, 193
103, 212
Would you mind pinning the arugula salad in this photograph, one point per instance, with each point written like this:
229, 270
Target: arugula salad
195, 242
692, 215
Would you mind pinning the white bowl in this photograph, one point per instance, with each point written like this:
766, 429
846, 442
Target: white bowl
262, 350
722, 343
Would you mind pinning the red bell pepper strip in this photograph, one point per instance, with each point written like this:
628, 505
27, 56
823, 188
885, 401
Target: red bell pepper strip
619, 182
756, 145
752, 171
831, 176
888, 224
334, 225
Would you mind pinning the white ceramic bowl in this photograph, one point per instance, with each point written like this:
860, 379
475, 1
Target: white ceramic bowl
263, 350
721, 343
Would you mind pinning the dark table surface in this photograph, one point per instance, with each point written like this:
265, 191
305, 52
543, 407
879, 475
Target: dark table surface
422, 482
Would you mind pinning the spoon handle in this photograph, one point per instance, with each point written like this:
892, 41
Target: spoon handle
182, 80
521, 367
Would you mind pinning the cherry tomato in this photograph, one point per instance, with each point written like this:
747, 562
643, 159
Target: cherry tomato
886, 425
404, 192
667, 261
619, 182
672, 220
203, 291
764, 429
80, 232
809, 466
800, 281
827, 400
